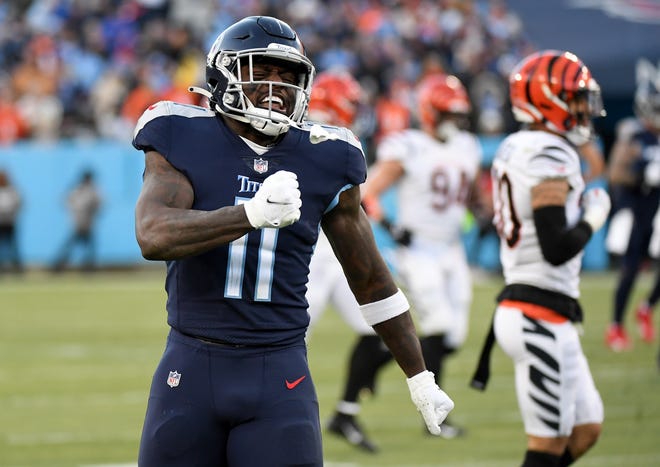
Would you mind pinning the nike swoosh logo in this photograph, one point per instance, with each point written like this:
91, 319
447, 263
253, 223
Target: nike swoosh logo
293, 384
273, 202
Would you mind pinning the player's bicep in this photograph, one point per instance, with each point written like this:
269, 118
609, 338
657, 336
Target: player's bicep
163, 185
163, 188
550, 192
349, 232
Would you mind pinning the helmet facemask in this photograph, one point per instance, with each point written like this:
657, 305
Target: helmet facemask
231, 73
450, 124
588, 104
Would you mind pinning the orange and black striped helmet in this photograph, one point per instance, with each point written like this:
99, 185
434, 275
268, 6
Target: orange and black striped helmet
440, 93
336, 98
542, 85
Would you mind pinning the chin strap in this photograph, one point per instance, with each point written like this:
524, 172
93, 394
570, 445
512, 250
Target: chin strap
259, 119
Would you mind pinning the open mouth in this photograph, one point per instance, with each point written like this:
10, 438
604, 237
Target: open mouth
275, 103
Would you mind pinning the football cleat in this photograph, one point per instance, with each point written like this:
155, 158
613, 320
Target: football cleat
617, 339
345, 426
645, 322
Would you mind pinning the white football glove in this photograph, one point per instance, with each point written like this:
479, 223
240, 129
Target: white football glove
431, 401
652, 173
276, 203
596, 204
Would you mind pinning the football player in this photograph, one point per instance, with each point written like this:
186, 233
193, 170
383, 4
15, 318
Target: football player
336, 100
634, 173
233, 197
544, 219
434, 170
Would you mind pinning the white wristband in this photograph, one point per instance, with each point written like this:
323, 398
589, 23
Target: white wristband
387, 308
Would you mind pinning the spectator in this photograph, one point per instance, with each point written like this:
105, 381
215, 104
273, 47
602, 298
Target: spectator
392, 110
83, 202
70, 46
10, 205
36, 82
13, 125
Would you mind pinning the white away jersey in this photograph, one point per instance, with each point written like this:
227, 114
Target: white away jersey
434, 189
523, 160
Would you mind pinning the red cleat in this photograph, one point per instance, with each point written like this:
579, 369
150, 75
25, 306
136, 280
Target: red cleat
645, 323
617, 339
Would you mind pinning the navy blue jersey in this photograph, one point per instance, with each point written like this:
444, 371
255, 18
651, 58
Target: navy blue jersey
643, 199
251, 291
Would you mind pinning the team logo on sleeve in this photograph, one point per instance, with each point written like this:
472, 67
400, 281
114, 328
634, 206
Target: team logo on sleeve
260, 165
173, 379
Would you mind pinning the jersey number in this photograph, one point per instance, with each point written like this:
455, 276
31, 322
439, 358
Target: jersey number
263, 283
506, 220
442, 193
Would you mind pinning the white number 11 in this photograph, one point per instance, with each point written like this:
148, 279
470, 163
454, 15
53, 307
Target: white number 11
236, 264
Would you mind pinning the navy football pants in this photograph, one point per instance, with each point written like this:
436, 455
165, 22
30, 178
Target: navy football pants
216, 406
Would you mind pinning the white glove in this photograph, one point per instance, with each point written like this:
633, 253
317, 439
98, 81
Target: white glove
596, 204
652, 173
431, 401
276, 203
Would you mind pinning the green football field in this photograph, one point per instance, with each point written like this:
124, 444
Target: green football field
77, 353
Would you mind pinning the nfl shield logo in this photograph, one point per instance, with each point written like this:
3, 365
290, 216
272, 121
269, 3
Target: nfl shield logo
173, 379
260, 165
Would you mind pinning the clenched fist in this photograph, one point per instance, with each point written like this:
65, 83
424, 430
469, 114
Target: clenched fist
277, 202
432, 402
596, 204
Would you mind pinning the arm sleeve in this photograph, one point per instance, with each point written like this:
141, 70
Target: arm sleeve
559, 243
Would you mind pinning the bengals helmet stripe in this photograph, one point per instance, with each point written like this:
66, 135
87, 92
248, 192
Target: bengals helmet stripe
336, 98
542, 85
440, 93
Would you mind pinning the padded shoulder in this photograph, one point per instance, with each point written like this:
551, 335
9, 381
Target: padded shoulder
320, 133
166, 108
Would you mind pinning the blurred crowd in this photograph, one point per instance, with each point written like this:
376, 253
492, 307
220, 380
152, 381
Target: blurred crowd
88, 68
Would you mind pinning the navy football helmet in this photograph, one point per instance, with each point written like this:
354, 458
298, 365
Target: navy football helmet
246, 42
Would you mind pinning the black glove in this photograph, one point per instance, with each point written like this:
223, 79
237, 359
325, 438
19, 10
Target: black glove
401, 235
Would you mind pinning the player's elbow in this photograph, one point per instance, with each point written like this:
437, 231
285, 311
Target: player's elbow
150, 241
148, 247
555, 257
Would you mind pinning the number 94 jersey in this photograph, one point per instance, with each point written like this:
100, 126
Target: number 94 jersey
523, 160
432, 196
